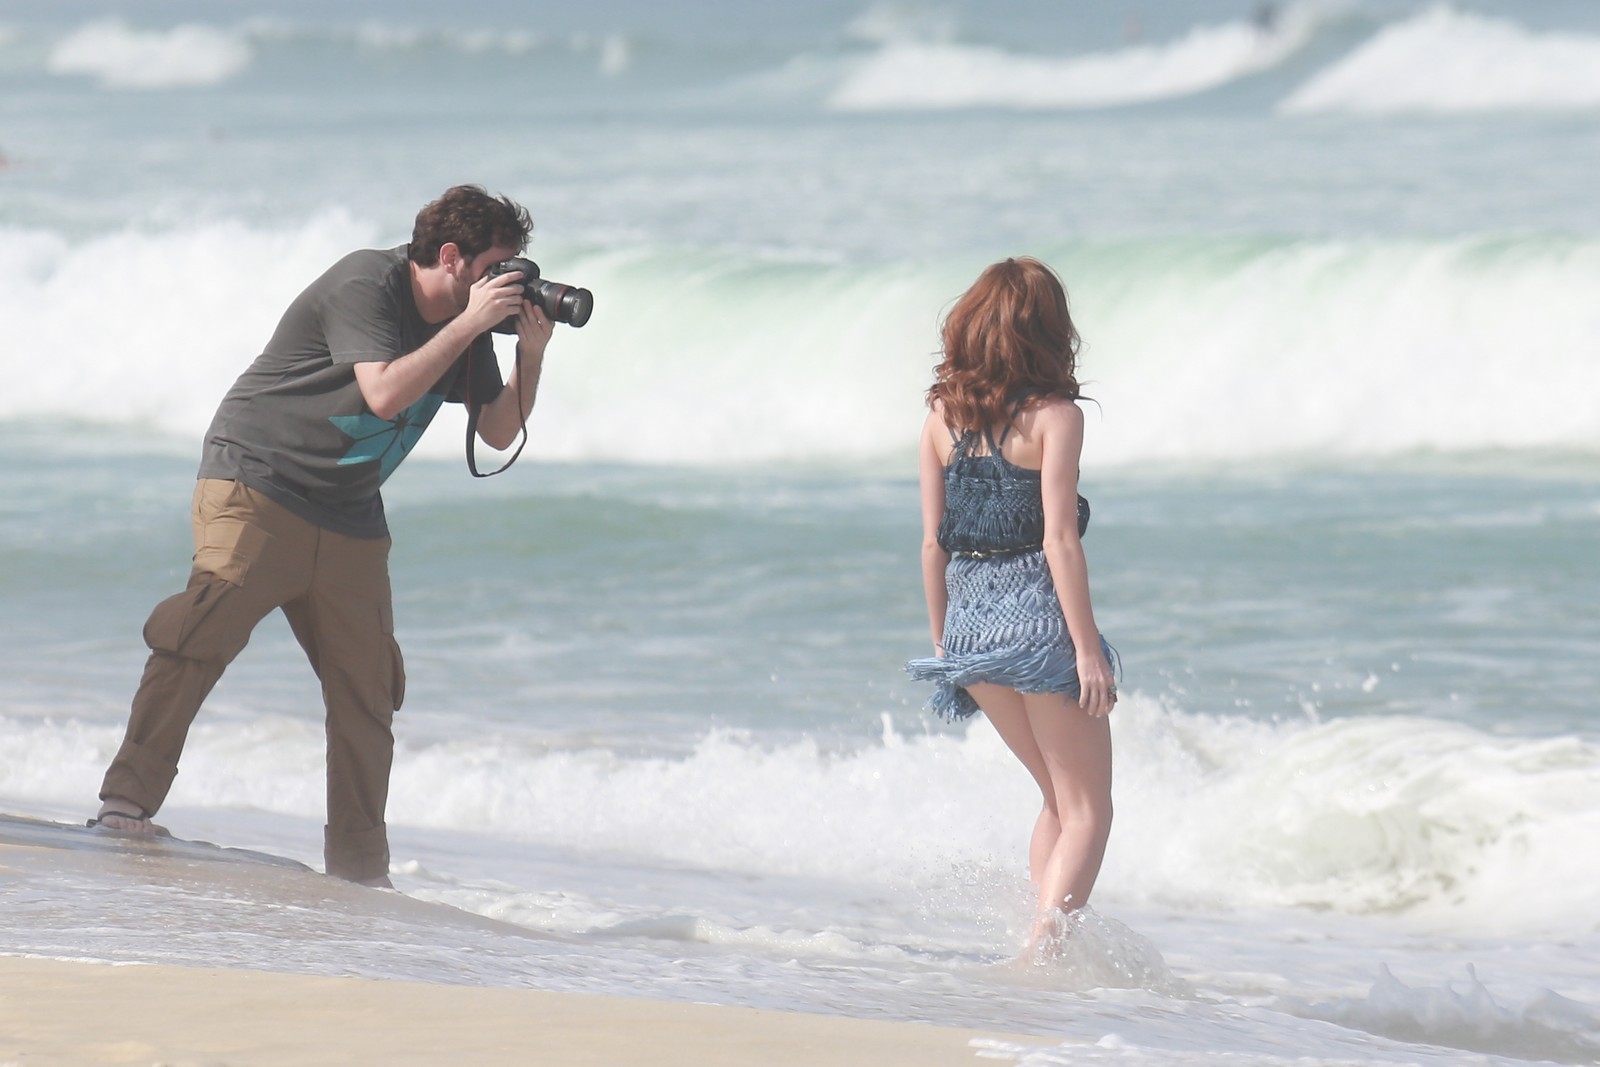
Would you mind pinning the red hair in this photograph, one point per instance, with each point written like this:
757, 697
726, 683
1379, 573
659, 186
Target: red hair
1009, 338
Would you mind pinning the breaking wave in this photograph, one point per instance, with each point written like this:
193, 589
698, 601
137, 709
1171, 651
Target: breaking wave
1445, 61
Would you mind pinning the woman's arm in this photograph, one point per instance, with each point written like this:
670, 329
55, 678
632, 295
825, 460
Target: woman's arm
1060, 427
930, 470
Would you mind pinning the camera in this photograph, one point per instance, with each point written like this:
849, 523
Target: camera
563, 303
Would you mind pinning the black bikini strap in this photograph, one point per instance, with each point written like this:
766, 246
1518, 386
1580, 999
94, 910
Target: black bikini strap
1011, 418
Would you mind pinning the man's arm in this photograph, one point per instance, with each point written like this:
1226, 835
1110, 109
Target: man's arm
391, 387
503, 417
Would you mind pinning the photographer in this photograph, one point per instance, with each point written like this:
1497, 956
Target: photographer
287, 511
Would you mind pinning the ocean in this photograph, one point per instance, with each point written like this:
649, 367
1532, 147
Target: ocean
1334, 264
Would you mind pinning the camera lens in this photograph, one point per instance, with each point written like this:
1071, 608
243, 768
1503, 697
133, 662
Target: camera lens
563, 303
576, 304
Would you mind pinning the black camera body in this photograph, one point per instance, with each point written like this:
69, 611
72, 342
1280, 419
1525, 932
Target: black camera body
563, 303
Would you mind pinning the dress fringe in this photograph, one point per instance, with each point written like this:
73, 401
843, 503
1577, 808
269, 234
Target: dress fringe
1027, 670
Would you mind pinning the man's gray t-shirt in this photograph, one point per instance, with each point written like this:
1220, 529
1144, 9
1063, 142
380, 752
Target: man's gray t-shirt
295, 425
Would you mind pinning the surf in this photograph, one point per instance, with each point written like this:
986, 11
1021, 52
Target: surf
1204, 350
1215, 813
1448, 61
919, 75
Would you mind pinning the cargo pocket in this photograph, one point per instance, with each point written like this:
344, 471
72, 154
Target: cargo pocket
227, 550
175, 624
198, 622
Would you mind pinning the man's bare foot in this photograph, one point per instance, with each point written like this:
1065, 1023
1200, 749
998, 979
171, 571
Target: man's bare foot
118, 813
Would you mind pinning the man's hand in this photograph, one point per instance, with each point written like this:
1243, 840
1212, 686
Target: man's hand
533, 332
493, 300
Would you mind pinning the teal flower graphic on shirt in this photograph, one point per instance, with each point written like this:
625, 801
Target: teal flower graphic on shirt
386, 441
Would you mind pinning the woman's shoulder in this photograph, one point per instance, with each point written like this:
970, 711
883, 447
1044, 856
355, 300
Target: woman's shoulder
936, 436
1049, 413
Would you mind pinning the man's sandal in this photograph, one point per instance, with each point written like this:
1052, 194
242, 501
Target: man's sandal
98, 822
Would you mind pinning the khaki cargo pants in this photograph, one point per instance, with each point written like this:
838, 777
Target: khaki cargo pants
253, 555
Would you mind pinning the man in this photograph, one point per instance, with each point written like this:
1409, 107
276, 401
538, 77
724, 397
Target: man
287, 511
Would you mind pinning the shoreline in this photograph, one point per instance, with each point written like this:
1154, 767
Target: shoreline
57, 1007
58, 1011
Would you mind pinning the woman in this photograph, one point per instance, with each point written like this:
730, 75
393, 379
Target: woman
1003, 566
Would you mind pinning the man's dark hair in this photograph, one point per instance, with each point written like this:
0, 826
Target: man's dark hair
468, 217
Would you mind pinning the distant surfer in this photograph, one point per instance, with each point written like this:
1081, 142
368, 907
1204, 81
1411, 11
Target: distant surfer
1004, 571
287, 512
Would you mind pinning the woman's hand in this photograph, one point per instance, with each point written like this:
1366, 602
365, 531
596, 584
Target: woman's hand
1097, 693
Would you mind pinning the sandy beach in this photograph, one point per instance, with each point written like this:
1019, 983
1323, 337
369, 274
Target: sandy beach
86, 1011
55, 1012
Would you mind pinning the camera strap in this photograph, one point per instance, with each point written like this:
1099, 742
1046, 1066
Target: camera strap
473, 411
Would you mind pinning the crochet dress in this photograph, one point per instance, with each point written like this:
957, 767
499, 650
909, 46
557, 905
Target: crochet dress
1003, 623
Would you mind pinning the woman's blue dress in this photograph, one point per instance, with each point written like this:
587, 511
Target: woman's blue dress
1003, 623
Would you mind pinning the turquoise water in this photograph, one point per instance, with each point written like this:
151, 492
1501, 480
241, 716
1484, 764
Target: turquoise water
1345, 468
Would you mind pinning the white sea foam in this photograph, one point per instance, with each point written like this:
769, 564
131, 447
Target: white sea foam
161, 356
1196, 351
1364, 815
1440, 825
123, 57
399, 37
1546, 1026
923, 75
901, 23
197, 55
1394, 1024
1445, 60
1340, 348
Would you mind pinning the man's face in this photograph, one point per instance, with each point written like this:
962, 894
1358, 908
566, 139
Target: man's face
470, 270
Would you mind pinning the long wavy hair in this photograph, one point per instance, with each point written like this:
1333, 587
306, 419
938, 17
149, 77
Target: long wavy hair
1007, 339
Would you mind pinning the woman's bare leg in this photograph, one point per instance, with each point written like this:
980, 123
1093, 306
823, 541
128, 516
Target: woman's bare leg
1006, 711
1076, 750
